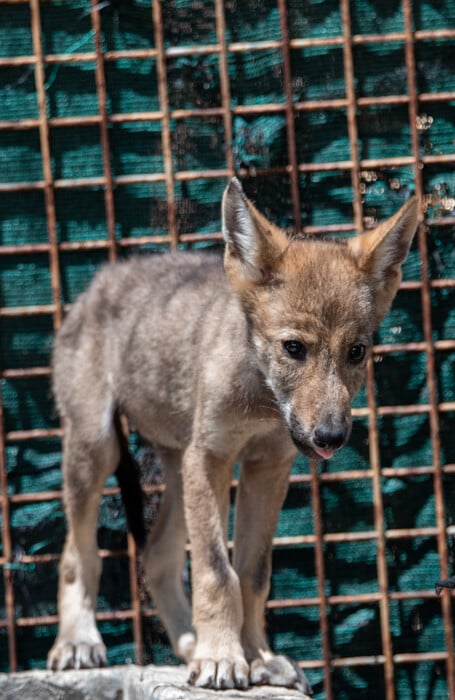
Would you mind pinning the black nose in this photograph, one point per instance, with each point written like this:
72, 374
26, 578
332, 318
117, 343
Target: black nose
329, 439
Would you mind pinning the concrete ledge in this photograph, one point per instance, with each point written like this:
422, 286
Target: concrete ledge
123, 683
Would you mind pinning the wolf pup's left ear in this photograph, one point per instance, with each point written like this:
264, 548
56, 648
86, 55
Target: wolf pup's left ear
381, 252
253, 244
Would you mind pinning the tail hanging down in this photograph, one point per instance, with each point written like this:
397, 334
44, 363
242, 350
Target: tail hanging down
127, 474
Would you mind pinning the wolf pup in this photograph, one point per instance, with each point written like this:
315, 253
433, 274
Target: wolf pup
251, 366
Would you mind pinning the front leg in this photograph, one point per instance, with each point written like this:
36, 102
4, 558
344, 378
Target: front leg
218, 660
262, 488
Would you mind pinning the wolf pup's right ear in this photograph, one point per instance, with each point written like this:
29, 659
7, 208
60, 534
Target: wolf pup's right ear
381, 252
254, 245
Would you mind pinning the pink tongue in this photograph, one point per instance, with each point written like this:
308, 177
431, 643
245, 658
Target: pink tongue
325, 454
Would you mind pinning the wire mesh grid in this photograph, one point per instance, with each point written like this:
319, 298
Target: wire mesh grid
170, 56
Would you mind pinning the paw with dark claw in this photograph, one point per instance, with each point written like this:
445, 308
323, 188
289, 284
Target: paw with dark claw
65, 654
219, 674
279, 670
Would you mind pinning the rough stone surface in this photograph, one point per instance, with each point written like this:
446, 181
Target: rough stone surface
123, 683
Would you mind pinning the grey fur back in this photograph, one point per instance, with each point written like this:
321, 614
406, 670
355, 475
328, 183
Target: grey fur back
136, 336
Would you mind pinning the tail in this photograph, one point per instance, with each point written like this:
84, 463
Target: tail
127, 474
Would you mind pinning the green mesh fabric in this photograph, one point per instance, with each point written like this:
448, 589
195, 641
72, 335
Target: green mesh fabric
259, 142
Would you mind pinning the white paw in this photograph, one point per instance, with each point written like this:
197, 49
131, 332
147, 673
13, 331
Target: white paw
219, 674
279, 670
66, 654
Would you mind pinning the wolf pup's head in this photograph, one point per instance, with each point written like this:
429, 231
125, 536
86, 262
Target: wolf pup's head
312, 306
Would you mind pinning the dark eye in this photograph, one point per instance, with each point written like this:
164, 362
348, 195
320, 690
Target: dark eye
295, 349
356, 353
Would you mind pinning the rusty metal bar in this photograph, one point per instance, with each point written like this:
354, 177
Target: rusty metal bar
386, 637
448, 407
104, 134
136, 241
135, 601
428, 335
348, 68
46, 159
180, 51
8, 581
375, 461
165, 121
318, 538
290, 117
224, 85
53, 260
186, 175
209, 112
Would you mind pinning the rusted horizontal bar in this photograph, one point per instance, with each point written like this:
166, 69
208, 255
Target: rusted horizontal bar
22, 186
200, 237
411, 533
436, 96
391, 100
211, 112
101, 244
403, 472
188, 175
28, 373
324, 167
102, 616
406, 410
328, 537
277, 604
236, 47
14, 311
433, 34
419, 656
112, 615
36, 433
143, 240
295, 479
416, 657
376, 660
41, 559
316, 105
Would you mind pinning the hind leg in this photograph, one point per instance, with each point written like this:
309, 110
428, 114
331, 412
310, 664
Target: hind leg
86, 465
164, 561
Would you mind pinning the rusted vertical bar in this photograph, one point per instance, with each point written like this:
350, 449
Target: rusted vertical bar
290, 116
46, 157
7, 550
49, 195
165, 120
224, 84
438, 486
100, 78
320, 573
381, 555
351, 113
386, 637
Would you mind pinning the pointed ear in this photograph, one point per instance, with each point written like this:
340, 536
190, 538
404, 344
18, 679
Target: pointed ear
381, 252
253, 244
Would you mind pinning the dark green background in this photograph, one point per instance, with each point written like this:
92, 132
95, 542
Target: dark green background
326, 198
